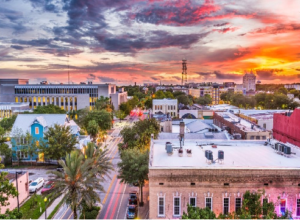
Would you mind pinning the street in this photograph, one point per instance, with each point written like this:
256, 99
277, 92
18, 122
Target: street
114, 200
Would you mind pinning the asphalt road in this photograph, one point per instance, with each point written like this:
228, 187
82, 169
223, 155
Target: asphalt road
114, 200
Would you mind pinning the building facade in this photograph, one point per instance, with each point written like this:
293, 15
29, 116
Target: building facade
249, 80
165, 106
7, 109
36, 125
176, 180
286, 127
67, 96
23, 190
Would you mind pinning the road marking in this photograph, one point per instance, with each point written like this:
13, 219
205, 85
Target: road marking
111, 200
117, 199
64, 212
110, 185
121, 201
126, 213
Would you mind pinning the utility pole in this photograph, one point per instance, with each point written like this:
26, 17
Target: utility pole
184, 72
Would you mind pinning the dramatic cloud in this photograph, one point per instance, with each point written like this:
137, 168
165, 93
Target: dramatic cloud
277, 29
219, 75
17, 47
106, 79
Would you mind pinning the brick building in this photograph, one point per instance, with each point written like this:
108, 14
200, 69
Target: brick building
286, 127
240, 128
175, 181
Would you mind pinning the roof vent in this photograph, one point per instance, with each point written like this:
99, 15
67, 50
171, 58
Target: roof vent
169, 148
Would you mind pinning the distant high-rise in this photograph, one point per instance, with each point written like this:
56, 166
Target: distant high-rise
249, 80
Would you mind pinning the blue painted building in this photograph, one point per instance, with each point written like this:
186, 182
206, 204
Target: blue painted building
36, 125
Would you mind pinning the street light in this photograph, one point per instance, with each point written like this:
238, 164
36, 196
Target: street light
45, 200
18, 189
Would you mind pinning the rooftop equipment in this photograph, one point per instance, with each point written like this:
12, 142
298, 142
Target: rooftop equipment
169, 149
221, 155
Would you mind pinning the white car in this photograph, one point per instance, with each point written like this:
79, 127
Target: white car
36, 185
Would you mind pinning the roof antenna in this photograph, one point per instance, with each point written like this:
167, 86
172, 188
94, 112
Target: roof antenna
68, 70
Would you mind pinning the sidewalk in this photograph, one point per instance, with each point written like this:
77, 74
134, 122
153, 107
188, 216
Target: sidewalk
52, 206
144, 210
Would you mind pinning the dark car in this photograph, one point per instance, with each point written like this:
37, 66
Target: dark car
131, 212
48, 187
133, 198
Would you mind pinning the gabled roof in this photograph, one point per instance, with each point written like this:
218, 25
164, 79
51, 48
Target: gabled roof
24, 121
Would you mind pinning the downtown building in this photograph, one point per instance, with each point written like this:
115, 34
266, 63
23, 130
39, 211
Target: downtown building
249, 82
177, 179
67, 96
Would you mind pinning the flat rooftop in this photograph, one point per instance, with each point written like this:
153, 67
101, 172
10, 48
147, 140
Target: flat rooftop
237, 155
240, 122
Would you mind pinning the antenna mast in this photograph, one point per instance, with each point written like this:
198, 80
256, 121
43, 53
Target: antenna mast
184, 72
68, 70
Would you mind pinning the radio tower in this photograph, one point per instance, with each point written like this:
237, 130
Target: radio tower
184, 72
68, 70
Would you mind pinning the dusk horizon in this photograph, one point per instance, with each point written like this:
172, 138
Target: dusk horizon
128, 41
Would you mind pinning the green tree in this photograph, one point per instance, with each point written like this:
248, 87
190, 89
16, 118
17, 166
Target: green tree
206, 100
31, 146
7, 123
159, 95
283, 90
4, 148
183, 99
120, 114
138, 135
102, 117
169, 95
58, 141
7, 189
134, 168
198, 213
93, 129
103, 103
48, 109
148, 103
101, 164
78, 181
14, 214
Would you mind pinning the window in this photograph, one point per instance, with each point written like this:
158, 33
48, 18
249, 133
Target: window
282, 206
298, 207
22, 154
161, 206
251, 137
176, 206
264, 137
257, 137
193, 201
264, 126
208, 202
225, 206
238, 204
37, 130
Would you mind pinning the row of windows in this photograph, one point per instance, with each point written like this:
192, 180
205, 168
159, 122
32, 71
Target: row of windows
209, 204
91, 91
160, 107
258, 137
49, 99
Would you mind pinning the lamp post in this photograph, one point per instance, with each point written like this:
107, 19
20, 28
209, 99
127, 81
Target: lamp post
18, 189
45, 200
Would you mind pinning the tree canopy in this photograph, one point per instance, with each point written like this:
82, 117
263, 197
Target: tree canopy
58, 141
7, 123
48, 109
7, 189
138, 135
198, 213
133, 168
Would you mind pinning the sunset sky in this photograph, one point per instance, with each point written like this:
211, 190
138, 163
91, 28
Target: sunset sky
127, 41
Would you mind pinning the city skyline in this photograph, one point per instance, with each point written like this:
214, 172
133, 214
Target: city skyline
127, 41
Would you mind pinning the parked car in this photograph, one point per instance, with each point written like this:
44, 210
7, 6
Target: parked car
131, 212
48, 187
36, 185
133, 198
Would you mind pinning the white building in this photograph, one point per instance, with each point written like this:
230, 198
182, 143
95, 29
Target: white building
292, 86
165, 106
249, 80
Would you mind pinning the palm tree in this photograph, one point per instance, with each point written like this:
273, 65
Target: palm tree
101, 162
79, 181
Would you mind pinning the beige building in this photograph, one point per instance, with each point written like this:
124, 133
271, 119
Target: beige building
176, 180
249, 81
165, 106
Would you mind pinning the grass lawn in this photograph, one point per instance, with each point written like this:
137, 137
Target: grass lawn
31, 208
34, 207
